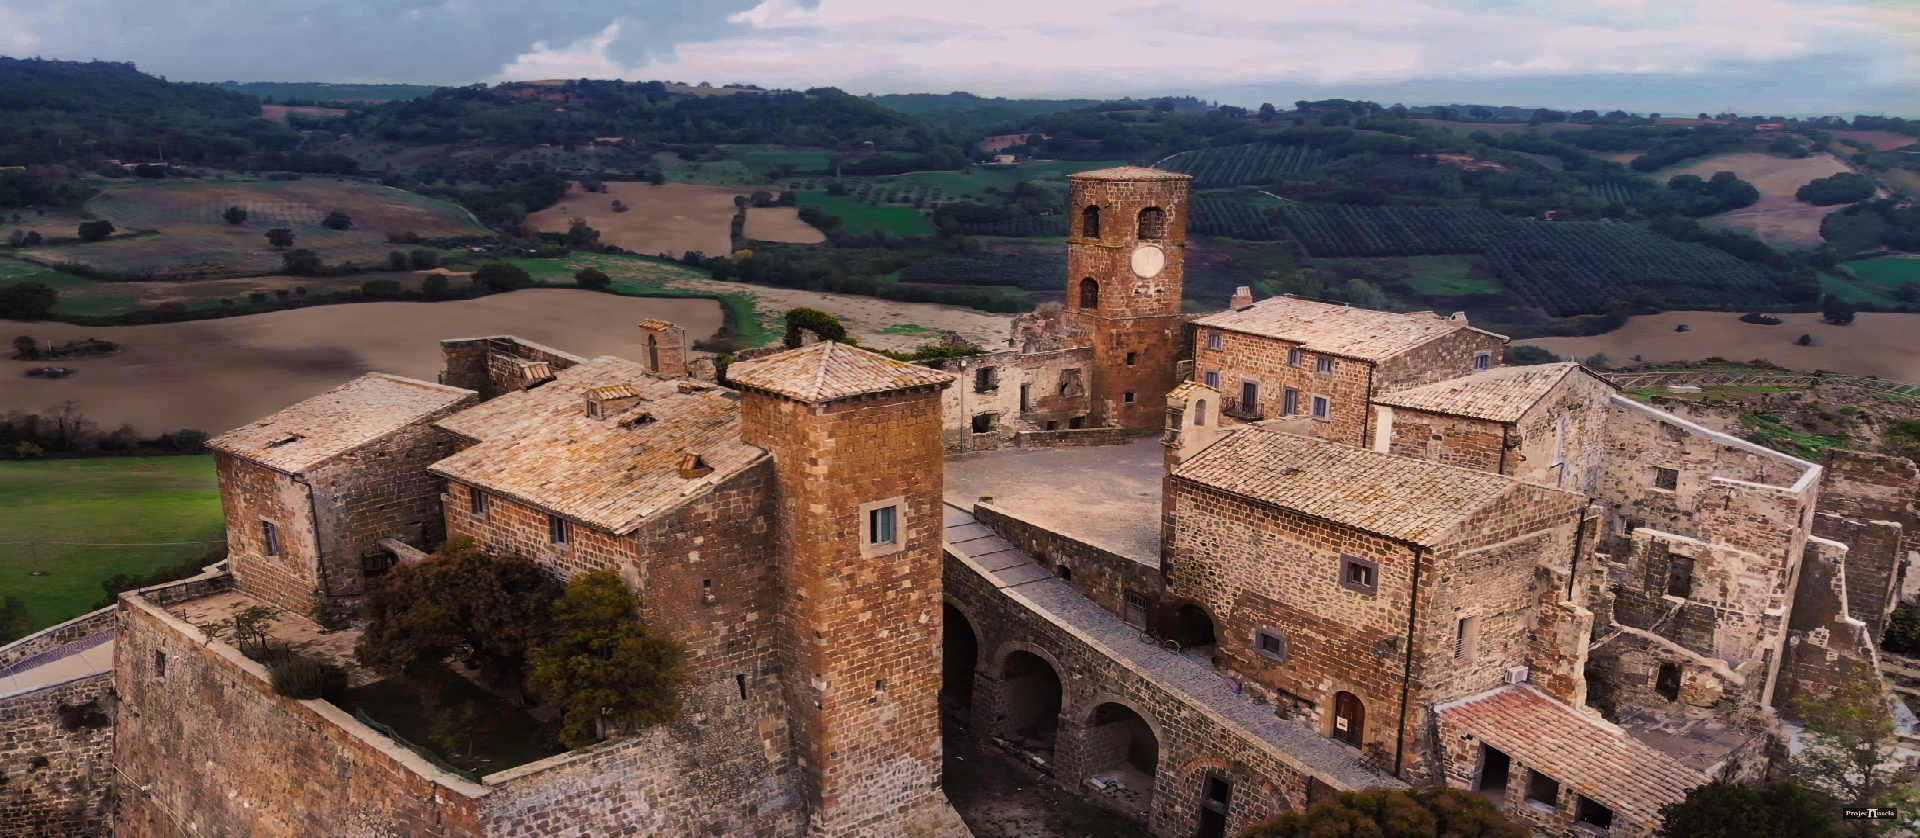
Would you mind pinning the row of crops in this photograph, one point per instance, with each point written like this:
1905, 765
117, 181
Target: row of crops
1233, 219
1054, 226
1244, 165
1567, 268
1618, 191
918, 195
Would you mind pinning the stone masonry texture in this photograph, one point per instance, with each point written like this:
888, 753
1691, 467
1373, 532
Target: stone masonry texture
56, 747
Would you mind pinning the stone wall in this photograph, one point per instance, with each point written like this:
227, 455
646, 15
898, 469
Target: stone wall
1876, 487
54, 637
1104, 577
1824, 643
1448, 356
1138, 331
1642, 440
1078, 439
204, 747
482, 364
380, 490
56, 744
1449, 440
861, 652
1563, 438
251, 494
1245, 358
1193, 742
1036, 378
1875, 558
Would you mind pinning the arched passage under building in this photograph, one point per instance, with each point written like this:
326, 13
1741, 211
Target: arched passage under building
1193, 630
959, 651
1030, 695
1121, 755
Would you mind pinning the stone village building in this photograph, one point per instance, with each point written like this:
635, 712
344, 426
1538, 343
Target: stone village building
1207, 568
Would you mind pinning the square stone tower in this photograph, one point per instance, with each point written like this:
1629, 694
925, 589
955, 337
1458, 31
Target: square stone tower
1126, 251
858, 463
663, 348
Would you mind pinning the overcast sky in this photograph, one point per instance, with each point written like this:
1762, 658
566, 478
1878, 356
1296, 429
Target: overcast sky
1674, 56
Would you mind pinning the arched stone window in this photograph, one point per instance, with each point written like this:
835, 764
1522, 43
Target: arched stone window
1200, 412
1090, 222
1153, 223
1089, 293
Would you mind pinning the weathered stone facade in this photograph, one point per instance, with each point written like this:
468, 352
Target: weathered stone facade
1003, 398
56, 749
1126, 259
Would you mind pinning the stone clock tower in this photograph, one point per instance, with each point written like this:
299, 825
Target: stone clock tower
1125, 253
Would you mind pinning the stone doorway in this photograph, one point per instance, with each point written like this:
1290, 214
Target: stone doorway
959, 652
1030, 703
1122, 757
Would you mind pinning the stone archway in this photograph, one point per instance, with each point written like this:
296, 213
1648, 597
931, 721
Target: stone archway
959, 654
1119, 756
1031, 696
1192, 628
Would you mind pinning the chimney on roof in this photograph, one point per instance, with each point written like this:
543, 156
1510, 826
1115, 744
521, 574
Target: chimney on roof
611, 400
1242, 297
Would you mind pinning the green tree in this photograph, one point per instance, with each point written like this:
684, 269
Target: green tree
26, 348
602, 668
423, 259
397, 260
302, 262
502, 276
434, 287
384, 289
27, 300
1392, 813
1478, 112
15, 622
280, 237
580, 235
1837, 310
1726, 810
93, 231
235, 215
33, 239
188, 440
1848, 752
593, 279
823, 325
460, 603
337, 220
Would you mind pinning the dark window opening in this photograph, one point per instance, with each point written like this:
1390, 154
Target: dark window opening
653, 354
1482, 360
1132, 357
1215, 799
1466, 639
983, 423
1153, 223
986, 379
1053, 425
1025, 402
479, 503
1495, 769
557, 530
1270, 644
1090, 223
1543, 790
1358, 574
272, 535
1065, 573
1192, 628
160, 664
1076, 423
1129, 396
706, 590
1089, 293
1679, 575
1589, 813
593, 410
1666, 478
1667, 683
741, 682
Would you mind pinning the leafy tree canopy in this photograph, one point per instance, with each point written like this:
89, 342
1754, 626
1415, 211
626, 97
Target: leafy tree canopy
603, 668
502, 276
1726, 810
1392, 813
460, 604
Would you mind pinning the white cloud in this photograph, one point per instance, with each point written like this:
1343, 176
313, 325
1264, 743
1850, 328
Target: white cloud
1095, 47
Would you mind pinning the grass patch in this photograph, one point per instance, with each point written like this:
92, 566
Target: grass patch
1853, 293
647, 276
908, 329
718, 173
1707, 394
1769, 431
1887, 271
14, 272
466, 726
762, 158
113, 501
862, 218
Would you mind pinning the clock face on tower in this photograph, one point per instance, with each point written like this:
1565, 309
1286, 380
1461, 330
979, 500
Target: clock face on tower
1148, 261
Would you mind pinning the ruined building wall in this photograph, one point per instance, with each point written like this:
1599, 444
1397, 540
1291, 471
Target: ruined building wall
250, 494
1824, 643
1875, 487
1875, 558
56, 746
203, 746
1056, 387
1567, 453
379, 490
1642, 440
484, 365
1254, 566
1446, 357
1263, 361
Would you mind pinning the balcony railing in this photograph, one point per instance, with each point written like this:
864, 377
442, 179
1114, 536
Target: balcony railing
1234, 408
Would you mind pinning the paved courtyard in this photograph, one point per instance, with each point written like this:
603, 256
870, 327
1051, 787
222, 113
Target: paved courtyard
1107, 496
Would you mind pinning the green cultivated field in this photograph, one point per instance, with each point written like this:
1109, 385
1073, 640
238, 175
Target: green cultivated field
864, 218
132, 500
1888, 271
1853, 293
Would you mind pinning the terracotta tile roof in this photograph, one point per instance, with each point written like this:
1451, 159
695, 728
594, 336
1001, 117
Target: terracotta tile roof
539, 447
1501, 394
612, 391
1129, 173
657, 325
1596, 759
827, 371
1398, 497
1188, 389
360, 411
1346, 331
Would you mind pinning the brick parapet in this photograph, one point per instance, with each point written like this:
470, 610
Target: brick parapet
54, 637
1105, 577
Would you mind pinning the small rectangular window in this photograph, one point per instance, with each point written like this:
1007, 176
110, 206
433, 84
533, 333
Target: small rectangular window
1591, 814
1666, 478
1132, 357
593, 410
1270, 644
1216, 341
1679, 575
479, 503
1290, 403
1543, 789
1026, 403
1322, 408
983, 423
1323, 365
1213, 379
741, 682
1076, 423
985, 380
1293, 357
1130, 396
1466, 639
880, 525
1667, 681
160, 664
272, 537
1358, 574
557, 530
1482, 360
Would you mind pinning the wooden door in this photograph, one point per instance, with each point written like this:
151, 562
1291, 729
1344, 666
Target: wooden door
1349, 718
1249, 396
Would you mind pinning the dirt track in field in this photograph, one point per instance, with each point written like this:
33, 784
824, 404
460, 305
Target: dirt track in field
671, 218
1886, 345
219, 374
1777, 218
